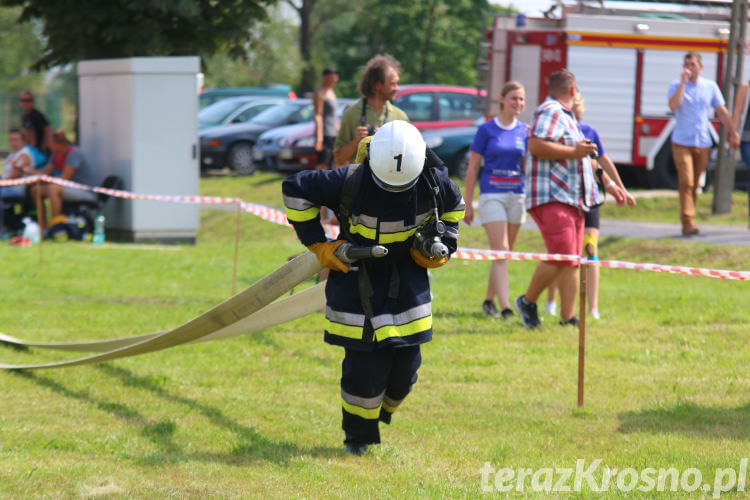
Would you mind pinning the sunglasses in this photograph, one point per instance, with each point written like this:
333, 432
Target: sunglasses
26, 99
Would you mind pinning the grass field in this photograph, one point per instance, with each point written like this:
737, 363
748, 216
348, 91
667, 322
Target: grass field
667, 209
258, 416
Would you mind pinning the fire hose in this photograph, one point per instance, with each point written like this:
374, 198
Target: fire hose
250, 310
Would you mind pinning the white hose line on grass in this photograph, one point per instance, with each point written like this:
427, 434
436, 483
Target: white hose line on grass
287, 309
226, 314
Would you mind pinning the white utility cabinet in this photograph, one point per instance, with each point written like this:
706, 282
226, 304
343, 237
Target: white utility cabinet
138, 120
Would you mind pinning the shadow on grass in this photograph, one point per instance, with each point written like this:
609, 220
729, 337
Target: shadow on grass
502, 325
690, 419
15, 347
250, 445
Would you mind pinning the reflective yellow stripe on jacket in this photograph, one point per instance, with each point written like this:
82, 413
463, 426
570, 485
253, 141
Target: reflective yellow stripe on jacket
299, 209
417, 326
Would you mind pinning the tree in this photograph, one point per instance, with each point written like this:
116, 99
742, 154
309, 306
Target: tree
272, 59
434, 40
315, 16
129, 28
19, 48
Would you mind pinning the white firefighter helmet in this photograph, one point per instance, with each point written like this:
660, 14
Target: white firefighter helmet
397, 154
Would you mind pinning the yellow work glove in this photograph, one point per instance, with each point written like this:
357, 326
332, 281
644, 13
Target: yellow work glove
362, 149
428, 263
324, 252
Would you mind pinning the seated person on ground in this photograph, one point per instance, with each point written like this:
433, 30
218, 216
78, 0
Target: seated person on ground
67, 162
17, 164
38, 159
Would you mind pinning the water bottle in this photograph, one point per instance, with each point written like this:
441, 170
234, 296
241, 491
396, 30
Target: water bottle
31, 230
98, 238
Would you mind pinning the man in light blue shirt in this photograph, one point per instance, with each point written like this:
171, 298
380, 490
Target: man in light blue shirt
691, 98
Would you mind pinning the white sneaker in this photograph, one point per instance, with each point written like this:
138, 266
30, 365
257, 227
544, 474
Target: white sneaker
551, 308
594, 314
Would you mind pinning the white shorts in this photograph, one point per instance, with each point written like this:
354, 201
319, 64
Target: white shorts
507, 207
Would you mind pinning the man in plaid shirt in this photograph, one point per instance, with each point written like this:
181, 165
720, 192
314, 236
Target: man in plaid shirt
559, 189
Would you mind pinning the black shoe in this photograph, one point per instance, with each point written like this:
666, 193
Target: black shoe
571, 322
489, 309
356, 449
506, 313
527, 312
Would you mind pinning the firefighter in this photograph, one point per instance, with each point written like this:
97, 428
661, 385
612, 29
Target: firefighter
380, 313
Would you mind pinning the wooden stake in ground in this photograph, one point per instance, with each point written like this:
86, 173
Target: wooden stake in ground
39, 202
581, 333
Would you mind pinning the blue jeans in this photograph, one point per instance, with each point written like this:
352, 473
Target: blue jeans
13, 192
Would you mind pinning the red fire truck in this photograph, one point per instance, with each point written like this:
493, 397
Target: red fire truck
624, 61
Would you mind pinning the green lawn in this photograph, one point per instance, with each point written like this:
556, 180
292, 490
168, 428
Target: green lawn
258, 416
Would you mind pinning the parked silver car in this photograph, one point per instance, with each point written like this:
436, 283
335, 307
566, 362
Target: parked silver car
235, 110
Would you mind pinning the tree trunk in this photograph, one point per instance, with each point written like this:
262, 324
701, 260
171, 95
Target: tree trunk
427, 41
308, 77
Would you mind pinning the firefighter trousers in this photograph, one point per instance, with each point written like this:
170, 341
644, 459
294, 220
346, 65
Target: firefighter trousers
373, 384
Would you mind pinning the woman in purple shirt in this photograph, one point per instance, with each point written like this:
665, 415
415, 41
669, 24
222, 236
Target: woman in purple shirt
502, 143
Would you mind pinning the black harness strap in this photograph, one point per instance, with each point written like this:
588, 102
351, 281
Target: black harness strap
363, 117
365, 290
348, 194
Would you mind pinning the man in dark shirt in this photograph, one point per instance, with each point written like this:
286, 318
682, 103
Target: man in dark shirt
36, 121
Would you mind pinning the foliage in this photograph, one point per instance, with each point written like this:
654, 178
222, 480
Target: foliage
273, 58
316, 17
130, 28
19, 48
434, 40
666, 378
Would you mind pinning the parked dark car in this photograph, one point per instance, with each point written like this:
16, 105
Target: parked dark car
291, 148
431, 106
235, 110
212, 95
232, 145
453, 145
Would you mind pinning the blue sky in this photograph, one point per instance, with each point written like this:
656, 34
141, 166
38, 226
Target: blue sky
533, 7
529, 7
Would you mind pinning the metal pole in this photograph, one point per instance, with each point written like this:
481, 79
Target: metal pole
725, 164
581, 332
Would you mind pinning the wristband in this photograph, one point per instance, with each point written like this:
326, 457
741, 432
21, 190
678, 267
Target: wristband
610, 184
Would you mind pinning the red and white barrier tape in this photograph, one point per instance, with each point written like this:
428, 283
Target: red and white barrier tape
18, 182
279, 217
688, 271
480, 254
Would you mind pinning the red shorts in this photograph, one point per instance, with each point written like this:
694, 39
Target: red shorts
561, 226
